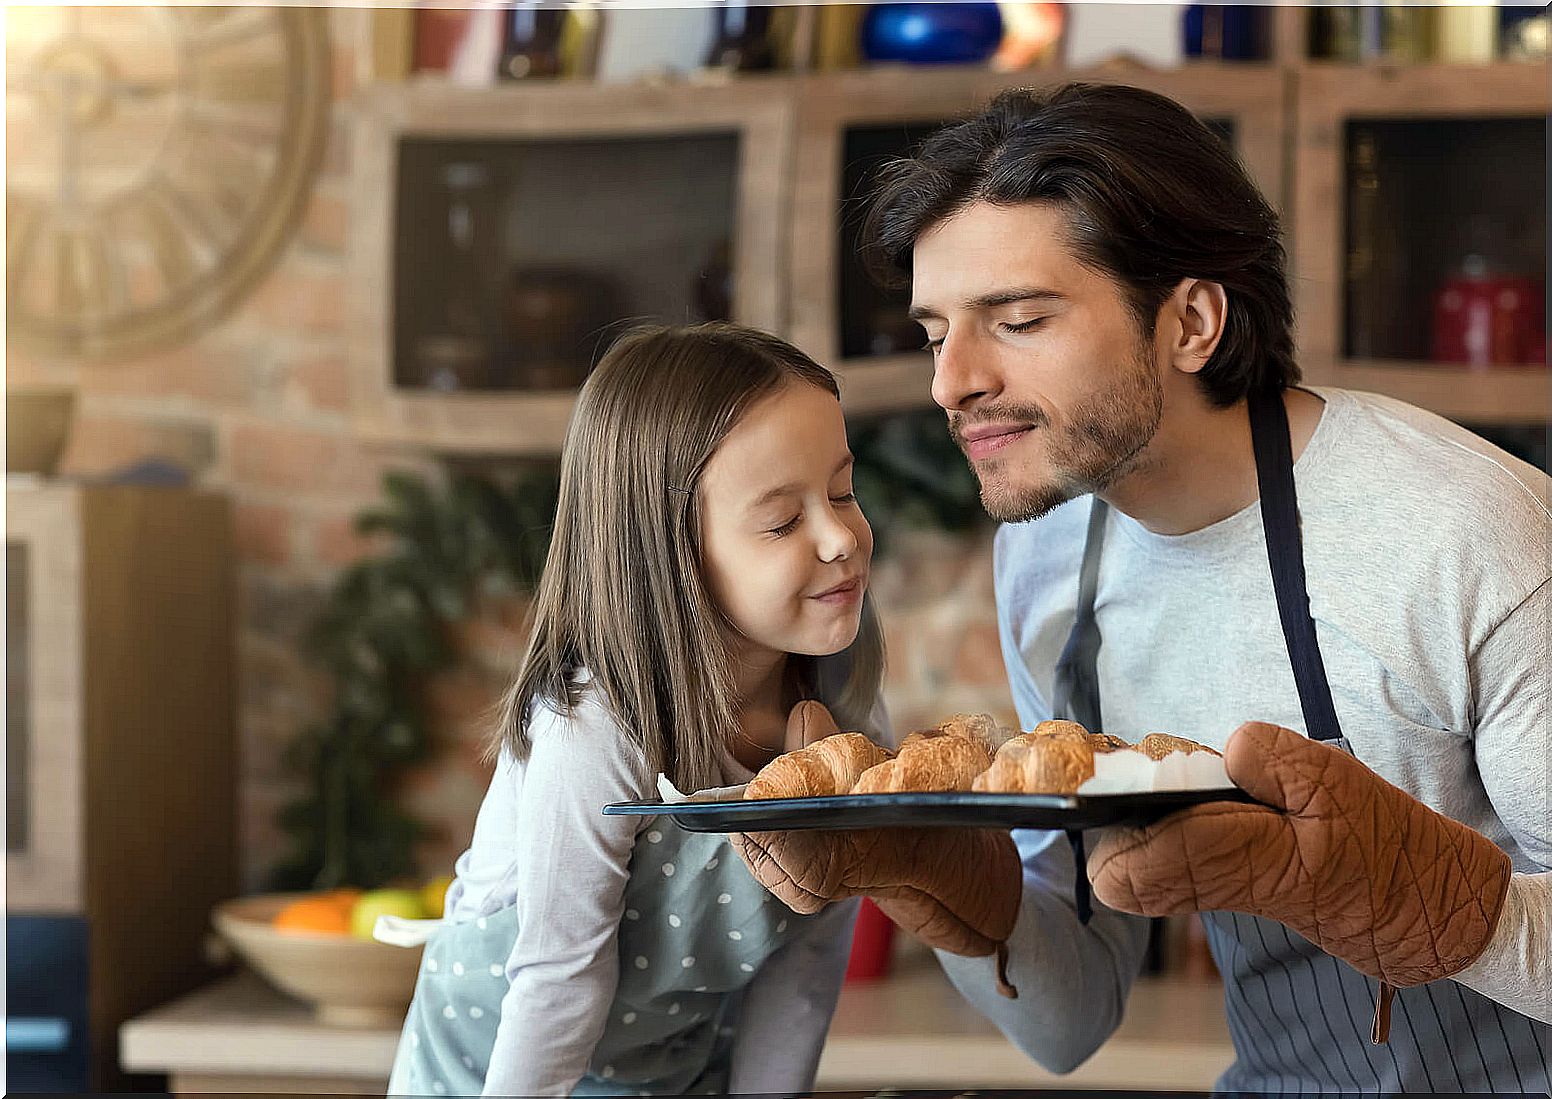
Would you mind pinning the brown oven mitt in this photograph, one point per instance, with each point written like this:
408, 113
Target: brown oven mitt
955, 889
1357, 866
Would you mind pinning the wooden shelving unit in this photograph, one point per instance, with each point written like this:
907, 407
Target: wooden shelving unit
1288, 117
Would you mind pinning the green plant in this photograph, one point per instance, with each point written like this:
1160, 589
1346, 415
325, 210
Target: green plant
382, 631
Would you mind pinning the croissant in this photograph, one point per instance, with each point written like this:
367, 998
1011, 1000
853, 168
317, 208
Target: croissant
1058, 757
1159, 745
1036, 763
825, 768
981, 728
931, 761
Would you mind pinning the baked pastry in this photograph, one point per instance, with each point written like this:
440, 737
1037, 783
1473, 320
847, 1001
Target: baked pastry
1159, 745
1058, 757
825, 768
981, 728
1038, 763
929, 761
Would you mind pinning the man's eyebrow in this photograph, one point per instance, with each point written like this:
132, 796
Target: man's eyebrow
783, 490
992, 300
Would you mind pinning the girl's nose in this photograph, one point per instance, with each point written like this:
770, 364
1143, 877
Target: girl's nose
836, 540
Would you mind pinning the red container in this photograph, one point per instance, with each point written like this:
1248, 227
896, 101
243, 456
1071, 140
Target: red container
1489, 320
871, 945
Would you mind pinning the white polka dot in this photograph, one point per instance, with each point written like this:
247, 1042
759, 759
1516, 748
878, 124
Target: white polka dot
725, 898
628, 1018
735, 935
674, 921
481, 923
414, 1040
746, 967
468, 1062
432, 965
654, 836
632, 914
608, 1073
712, 865
439, 1087
673, 1008
449, 1013
781, 926
668, 870
457, 969
476, 1013
495, 970
641, 961
689, 960
700, 988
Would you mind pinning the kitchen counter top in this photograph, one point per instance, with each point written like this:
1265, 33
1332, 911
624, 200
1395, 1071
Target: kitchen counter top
909, 1030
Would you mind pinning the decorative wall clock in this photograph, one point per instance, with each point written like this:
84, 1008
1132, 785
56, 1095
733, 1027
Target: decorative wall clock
157, 157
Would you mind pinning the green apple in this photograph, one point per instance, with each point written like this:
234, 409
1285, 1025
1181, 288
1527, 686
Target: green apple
405, 903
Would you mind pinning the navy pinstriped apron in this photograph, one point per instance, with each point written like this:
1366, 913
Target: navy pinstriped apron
1300, 1018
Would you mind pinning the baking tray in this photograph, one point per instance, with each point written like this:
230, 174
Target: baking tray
1050, 812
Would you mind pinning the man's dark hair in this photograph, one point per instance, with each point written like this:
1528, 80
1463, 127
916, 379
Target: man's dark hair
1151, 194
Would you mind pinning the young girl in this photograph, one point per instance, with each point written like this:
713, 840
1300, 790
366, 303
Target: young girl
707, 571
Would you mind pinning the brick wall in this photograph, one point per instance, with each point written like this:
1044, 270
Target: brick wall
258, 408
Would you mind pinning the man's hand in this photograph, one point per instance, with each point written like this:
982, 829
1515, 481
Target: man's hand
1357, 866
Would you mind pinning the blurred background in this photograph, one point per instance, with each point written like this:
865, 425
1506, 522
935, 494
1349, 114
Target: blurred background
297, 301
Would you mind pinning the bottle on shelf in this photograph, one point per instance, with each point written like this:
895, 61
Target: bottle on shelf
452, 349
1227, 32
1465, 34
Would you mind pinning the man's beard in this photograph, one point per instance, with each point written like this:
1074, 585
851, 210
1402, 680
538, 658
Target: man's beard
1103, 441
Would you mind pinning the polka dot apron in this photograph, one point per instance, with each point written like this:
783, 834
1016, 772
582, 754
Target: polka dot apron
697, 927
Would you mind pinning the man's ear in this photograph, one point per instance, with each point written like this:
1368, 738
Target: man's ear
1199, 310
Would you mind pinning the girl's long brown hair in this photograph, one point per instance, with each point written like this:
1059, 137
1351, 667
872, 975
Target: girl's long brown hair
623, 593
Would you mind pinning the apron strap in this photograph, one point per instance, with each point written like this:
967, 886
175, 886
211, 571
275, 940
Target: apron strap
1075, 695
1285, 553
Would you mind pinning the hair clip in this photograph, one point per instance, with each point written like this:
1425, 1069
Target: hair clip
676, 488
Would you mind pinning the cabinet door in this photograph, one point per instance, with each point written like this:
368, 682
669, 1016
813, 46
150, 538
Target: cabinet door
505, 236
1421, 246
45, 792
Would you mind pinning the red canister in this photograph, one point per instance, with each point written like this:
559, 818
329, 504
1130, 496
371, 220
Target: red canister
871, 944
1486, 319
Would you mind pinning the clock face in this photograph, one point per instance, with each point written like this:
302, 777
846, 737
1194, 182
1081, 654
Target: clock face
156, 158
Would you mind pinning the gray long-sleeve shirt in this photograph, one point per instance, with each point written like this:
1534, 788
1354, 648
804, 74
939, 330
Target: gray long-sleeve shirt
1428, 554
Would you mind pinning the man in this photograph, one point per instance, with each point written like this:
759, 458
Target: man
1193, 543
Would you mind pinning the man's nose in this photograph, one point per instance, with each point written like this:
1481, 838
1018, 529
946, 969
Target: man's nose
960, 376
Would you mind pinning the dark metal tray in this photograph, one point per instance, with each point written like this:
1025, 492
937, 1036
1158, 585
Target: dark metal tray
1052, 812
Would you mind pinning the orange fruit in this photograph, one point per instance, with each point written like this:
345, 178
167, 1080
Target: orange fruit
320, 913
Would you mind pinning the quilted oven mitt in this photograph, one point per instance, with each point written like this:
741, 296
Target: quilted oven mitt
1355, 865
955, 889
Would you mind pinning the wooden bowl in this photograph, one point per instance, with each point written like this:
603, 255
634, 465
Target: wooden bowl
37, 425
349, 981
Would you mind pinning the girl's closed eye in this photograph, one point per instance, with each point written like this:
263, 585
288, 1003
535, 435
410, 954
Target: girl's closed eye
788, 527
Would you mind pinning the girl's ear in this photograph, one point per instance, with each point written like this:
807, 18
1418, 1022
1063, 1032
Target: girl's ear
809, 721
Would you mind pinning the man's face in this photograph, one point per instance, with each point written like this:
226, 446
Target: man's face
1051, 388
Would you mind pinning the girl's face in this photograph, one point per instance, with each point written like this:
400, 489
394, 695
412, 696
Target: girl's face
785, 547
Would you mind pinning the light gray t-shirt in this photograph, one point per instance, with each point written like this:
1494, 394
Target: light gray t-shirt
1428, 553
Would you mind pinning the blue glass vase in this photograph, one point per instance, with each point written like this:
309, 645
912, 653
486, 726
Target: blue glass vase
931, 34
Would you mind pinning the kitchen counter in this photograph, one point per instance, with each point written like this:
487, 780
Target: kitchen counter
909, 1030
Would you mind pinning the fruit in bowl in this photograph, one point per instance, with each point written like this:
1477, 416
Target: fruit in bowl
302, 944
